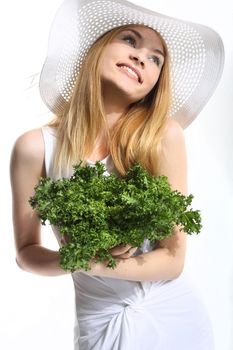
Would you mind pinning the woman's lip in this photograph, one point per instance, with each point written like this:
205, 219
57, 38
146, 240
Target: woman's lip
139, 79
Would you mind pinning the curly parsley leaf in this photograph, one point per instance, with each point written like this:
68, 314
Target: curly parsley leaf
97, 212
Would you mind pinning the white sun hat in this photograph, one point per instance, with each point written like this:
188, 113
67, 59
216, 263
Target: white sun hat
196, 52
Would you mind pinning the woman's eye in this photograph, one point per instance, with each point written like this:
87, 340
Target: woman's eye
156, 60
130, 40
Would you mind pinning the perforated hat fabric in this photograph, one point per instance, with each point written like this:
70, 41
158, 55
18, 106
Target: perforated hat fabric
196, 52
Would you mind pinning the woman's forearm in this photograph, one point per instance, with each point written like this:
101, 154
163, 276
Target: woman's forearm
39, 260
159, 264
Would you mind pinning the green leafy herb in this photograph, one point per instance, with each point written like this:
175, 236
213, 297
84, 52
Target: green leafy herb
97, 212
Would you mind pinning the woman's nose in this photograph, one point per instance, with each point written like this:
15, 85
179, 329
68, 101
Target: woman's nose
137, 59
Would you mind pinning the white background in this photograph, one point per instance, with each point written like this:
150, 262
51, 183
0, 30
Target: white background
38, 312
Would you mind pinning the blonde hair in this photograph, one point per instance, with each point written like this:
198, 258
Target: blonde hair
136, 136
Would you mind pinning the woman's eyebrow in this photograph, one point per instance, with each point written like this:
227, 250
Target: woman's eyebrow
140, 37
159, 52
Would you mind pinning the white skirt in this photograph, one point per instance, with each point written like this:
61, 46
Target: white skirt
115, 314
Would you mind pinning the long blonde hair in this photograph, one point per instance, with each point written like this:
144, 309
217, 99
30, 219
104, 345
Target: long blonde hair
136, 136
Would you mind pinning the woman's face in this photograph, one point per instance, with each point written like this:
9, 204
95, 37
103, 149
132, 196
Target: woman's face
131, 63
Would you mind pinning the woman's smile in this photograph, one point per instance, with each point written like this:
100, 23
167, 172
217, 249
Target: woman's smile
130, 72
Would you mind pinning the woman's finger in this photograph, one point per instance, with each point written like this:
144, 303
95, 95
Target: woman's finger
128, 254
120, 249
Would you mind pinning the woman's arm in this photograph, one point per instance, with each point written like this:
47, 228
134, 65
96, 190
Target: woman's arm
27, 165
167, 261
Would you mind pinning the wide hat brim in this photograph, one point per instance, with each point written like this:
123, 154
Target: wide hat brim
196, 52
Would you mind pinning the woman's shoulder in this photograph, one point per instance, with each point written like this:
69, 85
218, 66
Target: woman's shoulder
173, 161
29, 146
172, 130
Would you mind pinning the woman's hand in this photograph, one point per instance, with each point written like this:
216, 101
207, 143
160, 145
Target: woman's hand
123, 251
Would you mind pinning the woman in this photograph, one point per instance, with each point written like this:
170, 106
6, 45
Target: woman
114, 79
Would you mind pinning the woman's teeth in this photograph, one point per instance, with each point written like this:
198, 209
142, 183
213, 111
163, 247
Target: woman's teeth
130, 71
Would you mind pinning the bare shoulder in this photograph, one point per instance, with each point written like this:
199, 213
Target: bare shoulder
173, 160
29, 145
30, 141
173, 131
173, 140
28, 153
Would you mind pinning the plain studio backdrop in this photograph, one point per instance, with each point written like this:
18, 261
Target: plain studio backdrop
38, 312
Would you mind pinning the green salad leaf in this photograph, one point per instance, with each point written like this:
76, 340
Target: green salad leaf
97, 212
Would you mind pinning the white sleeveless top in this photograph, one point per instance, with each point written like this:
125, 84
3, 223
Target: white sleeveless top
113, 314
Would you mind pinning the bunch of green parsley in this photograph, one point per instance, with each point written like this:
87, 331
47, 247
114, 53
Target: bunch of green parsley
97, 212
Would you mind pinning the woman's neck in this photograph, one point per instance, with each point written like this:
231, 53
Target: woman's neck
112, 114
113, 111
